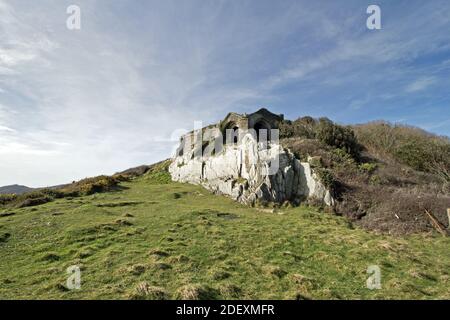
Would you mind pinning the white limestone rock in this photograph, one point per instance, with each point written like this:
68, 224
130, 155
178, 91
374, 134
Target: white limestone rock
242, 171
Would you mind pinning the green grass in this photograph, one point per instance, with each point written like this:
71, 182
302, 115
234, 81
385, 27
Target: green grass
158, 239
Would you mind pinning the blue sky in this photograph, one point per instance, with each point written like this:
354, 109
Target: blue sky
78, 103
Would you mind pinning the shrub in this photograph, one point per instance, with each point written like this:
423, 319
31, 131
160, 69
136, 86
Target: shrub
341, 156
36, 198
91, 185
7, 198
80, 188
367, 167
286, 129
325, 131
411, 146
326, 177
338, 136
29, 202
431, 156
302, 127
413, 154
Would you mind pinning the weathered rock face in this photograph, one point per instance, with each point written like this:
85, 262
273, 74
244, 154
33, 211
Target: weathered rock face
249, 172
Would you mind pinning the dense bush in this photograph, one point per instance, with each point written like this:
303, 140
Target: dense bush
7, 198
414, 154
429, 157
380, 174
326, 177
411, 146
80, 188
325, 131
29, 202
31, 198
92, 185
304, 127
157, 173
338, 136
367, 167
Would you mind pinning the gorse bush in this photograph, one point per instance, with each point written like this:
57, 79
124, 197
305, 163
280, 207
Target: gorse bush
323, 130
338, 136
376, 170
430, 157
304, 127
29, 202
92, 185
37, 197
6, 198
414, 154
157, 173
326, 177
411, 146
83, 187
367, 167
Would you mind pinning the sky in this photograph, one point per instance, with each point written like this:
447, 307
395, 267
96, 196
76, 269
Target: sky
119, 91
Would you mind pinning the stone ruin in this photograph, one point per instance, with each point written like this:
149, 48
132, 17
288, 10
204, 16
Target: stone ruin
241, 157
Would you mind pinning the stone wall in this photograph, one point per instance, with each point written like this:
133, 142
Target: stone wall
248, 172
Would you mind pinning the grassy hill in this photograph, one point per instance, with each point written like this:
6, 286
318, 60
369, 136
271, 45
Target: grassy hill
152, 238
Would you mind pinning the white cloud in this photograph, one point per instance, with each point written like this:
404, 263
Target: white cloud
14, 148
4, 128
13, 57
420, 84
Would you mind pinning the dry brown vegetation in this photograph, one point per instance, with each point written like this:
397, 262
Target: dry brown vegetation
384, 176
156, 172
76, 189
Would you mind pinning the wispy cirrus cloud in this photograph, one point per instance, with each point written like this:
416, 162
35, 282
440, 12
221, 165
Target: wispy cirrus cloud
4, 128
420, 84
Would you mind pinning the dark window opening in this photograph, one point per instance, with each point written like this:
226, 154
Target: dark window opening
262, 129
231, 134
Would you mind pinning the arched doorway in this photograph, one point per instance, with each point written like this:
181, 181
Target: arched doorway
230, 133
262, 129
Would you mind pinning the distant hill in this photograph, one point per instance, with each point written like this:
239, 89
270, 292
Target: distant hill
14, 189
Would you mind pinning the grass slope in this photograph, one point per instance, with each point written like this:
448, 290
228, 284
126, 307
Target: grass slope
158, 239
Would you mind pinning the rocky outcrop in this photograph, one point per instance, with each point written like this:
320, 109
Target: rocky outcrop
250, 171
